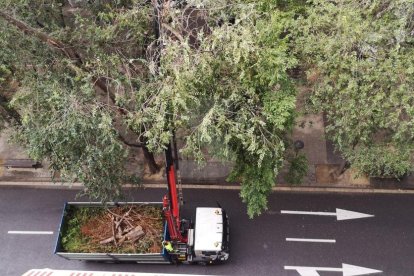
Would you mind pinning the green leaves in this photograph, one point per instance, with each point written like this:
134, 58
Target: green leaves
67, 106
298, 169
80, 143
383, 160
360, 57
230, 95
257, 182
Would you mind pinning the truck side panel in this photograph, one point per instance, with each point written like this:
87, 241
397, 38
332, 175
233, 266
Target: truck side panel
109, 257
58, 246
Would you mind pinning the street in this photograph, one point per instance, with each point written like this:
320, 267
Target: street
300, 234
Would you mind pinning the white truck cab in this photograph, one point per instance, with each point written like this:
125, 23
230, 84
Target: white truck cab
211, 235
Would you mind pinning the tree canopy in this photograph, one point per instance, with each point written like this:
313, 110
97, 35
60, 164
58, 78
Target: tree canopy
91, 73
67, 60
229, 91
359, 57
83, 81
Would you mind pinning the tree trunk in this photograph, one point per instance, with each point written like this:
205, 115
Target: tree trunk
149, 158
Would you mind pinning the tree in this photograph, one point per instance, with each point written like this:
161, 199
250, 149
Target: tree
226, 88
359, 58
72, 65
93, 73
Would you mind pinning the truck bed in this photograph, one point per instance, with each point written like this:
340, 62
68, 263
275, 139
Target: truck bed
161, 257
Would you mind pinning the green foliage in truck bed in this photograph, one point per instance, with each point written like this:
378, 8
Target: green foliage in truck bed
72, 239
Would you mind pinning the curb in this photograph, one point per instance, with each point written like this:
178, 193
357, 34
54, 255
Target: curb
79, 186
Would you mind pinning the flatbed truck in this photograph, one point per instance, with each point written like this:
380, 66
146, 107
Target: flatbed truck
206, 241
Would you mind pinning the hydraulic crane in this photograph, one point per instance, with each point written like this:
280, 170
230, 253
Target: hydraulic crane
170, 202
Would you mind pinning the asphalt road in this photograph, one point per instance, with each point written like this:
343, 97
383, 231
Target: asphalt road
384, 242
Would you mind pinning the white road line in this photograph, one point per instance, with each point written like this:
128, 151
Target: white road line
308, 213
311, 240
31, 232
340, 214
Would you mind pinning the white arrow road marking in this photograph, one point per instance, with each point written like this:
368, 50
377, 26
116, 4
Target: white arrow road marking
344, 215
310, 240
352, 270
347, 270
31, 232
340, 214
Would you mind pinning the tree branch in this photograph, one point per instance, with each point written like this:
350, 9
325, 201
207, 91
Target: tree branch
172, 31
139, 145
67, 51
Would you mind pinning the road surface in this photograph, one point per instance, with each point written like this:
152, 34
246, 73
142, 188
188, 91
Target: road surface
299, 235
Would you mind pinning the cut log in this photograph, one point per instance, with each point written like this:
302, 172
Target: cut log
135, 234
121, 240
126, 230
108, 240
113, 230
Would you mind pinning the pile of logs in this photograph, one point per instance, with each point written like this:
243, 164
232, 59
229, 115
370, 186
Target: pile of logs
132, 226
122, 229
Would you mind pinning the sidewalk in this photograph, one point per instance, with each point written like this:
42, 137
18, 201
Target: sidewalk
278, 188
322, 159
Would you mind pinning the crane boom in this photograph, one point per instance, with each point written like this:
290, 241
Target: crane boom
171, 205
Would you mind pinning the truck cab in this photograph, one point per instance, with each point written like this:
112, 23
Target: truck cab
210, 241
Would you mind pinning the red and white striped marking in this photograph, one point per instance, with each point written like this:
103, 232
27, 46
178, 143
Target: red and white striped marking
51, 272
38, 272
